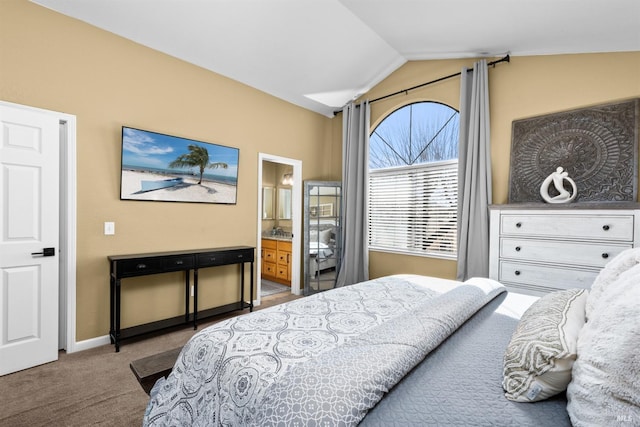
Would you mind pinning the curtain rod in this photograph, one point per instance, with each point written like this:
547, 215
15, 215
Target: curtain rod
405, 91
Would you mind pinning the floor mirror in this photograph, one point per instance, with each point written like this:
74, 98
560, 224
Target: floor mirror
322, 235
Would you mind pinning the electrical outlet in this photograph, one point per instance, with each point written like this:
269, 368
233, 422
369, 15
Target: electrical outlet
109, 228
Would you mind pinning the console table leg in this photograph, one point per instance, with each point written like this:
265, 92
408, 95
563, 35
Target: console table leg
112, 290
195, 299
251, 289
242, 286
186, 297
117, 316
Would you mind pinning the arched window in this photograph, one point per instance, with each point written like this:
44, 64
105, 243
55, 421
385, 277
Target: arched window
413, 181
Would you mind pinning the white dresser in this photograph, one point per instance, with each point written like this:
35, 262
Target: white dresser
538, 248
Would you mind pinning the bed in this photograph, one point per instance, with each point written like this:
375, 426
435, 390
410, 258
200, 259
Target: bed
322, 247
321, 258
398, 350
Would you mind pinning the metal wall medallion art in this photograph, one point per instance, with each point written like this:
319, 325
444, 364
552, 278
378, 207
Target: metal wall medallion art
597, 146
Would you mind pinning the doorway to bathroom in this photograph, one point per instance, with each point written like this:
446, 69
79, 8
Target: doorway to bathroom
279, 225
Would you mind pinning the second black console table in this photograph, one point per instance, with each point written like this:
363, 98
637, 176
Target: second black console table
124, 266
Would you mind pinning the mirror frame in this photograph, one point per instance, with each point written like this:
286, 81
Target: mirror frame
267, 203
321, 211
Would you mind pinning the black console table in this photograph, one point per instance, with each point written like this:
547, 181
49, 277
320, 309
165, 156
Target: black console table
123, 266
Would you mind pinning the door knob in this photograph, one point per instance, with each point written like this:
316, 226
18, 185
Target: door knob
45, 252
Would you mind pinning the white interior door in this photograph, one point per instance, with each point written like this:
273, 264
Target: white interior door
29, 197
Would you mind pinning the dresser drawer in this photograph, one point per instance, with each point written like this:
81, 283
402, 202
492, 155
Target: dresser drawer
269, 255
269, 243
269, 269
606, 227
178, 263
282, 272
140, 267
546, 276
560, 252
284, 258
284, 245
209, 259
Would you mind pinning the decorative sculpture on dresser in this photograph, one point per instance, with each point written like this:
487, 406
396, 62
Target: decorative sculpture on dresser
557, 178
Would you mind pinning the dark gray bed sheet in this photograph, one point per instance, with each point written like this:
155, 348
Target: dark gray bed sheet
460, 383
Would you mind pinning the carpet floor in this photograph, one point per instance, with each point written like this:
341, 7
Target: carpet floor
92, 387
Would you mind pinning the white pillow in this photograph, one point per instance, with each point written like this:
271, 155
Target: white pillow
605, 389
614, 268
540, 355
324, 236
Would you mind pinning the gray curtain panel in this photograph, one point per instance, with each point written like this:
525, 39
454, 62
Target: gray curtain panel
474, 174
354, 266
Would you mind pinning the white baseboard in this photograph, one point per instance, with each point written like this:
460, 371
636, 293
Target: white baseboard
90, 343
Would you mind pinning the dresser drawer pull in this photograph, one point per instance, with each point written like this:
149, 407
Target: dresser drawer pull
605, 255
240, 256
179, 262
517, 272
212, 258
605, 227
518, 224
141, 266
517, 248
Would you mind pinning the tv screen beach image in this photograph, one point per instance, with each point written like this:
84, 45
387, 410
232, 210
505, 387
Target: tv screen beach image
159, 167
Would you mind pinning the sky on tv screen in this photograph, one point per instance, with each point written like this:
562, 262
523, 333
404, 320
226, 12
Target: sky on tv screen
154, 151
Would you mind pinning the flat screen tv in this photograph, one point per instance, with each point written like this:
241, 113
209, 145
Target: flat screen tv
159, 167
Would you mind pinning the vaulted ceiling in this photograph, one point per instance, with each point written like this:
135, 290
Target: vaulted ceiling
320, 54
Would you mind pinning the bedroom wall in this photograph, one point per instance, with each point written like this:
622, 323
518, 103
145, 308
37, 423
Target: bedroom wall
525, 87
54, 62
50, 61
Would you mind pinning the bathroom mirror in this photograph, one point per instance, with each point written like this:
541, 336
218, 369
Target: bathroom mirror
284, 203
267, 202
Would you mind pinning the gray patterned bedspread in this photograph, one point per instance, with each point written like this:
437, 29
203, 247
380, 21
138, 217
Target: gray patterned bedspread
326, 359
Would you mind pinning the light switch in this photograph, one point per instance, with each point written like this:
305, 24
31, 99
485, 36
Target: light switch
109, 228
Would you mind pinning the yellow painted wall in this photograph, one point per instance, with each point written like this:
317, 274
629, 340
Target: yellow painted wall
50, 61
54, 62
525, 87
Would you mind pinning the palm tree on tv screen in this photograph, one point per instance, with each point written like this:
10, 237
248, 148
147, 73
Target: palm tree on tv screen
197, 156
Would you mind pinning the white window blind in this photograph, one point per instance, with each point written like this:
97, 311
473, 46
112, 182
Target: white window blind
413, 209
